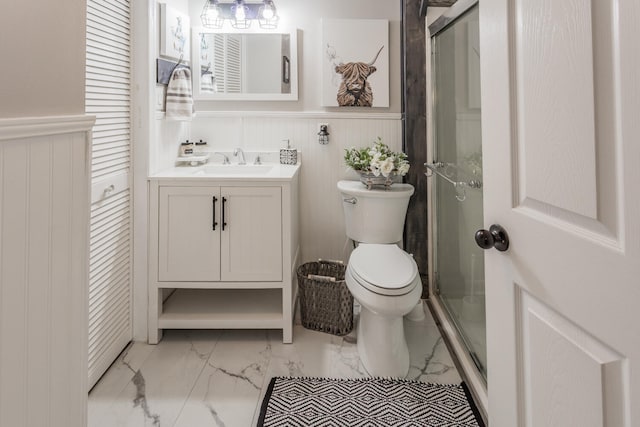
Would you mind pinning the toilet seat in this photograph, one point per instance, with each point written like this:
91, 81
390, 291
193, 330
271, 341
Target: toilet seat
384, 269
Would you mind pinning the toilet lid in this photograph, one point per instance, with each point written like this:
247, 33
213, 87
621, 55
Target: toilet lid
383, 269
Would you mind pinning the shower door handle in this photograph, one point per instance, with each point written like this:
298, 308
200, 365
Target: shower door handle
496, 237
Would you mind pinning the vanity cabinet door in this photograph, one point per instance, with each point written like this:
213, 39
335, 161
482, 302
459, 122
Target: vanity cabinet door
188, 241
252, 236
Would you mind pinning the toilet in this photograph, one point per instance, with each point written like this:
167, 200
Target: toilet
381, 276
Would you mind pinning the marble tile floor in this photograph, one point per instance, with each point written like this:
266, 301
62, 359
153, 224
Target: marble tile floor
218, 377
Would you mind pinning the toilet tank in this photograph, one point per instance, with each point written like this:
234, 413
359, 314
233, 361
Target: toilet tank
376, 215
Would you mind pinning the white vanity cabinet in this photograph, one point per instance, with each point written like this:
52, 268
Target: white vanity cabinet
220, 234
223, 253
188, 244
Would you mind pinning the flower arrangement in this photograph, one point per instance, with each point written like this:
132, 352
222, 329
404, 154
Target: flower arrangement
377, 160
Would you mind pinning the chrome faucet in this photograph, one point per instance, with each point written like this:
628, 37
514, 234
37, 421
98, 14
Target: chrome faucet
240, 154
225, 159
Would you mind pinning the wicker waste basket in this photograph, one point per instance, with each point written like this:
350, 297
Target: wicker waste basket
326, 305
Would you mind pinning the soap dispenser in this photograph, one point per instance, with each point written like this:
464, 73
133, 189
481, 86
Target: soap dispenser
288, 156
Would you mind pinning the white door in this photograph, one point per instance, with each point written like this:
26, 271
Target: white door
189, 234
108, 97
251, 246
561, 130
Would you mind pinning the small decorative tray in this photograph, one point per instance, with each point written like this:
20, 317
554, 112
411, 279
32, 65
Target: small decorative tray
194, 159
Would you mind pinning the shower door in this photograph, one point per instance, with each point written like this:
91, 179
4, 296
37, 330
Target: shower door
456, 179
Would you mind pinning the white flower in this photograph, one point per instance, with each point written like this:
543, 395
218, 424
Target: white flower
387, 167
374, 167
377, 160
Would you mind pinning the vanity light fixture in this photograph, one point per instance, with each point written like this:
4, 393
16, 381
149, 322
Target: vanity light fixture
211, 15
240, 14
268, 16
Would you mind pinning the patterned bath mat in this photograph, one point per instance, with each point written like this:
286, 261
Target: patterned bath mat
309, 402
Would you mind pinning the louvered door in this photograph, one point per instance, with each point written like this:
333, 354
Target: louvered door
218, 62
108, 98
233, 64
227, 63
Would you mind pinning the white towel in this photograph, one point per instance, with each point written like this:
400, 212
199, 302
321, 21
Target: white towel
179, 100
207, 83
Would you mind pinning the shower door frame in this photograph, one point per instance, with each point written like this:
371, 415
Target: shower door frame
454, 341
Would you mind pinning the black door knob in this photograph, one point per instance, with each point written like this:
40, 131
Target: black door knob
496, 237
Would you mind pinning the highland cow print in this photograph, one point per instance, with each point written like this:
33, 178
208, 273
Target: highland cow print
355, 90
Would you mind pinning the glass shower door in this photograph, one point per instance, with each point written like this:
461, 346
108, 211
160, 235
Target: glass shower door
456, 173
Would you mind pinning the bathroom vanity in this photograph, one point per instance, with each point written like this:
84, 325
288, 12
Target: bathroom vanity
223, 246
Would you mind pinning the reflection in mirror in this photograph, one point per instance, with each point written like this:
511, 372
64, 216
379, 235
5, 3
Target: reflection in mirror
244, 66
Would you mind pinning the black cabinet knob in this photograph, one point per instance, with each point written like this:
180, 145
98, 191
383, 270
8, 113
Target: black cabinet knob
496, 237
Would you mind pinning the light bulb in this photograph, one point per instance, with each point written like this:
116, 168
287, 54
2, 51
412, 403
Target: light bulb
212, 13
240, 15
267, 12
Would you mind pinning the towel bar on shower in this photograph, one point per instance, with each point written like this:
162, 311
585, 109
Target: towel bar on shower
451, 173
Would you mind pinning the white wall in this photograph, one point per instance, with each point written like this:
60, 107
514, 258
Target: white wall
42, 46
44, 210
262, 125
44, 184
306, 15
321, 218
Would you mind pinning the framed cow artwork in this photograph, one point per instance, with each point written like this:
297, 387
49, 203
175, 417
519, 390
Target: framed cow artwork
355, 67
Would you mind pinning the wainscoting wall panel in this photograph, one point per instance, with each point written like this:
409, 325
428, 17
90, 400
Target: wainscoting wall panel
44, 204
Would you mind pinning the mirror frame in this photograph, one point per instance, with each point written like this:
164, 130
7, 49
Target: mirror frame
293, 71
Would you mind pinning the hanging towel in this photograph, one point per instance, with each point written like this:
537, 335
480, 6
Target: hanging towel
179, 101
207, 83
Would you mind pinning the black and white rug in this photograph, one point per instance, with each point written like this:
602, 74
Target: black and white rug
308, 402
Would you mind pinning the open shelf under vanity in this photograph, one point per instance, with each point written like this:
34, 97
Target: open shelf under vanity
222, 309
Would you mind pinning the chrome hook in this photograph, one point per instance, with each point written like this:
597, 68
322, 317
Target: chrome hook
429, 171
463, 197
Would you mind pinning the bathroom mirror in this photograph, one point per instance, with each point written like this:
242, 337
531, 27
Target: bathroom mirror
244, 66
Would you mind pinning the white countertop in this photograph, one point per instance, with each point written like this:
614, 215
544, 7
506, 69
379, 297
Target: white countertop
233, 172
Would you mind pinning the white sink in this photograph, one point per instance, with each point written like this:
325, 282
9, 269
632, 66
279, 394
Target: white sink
235, 170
